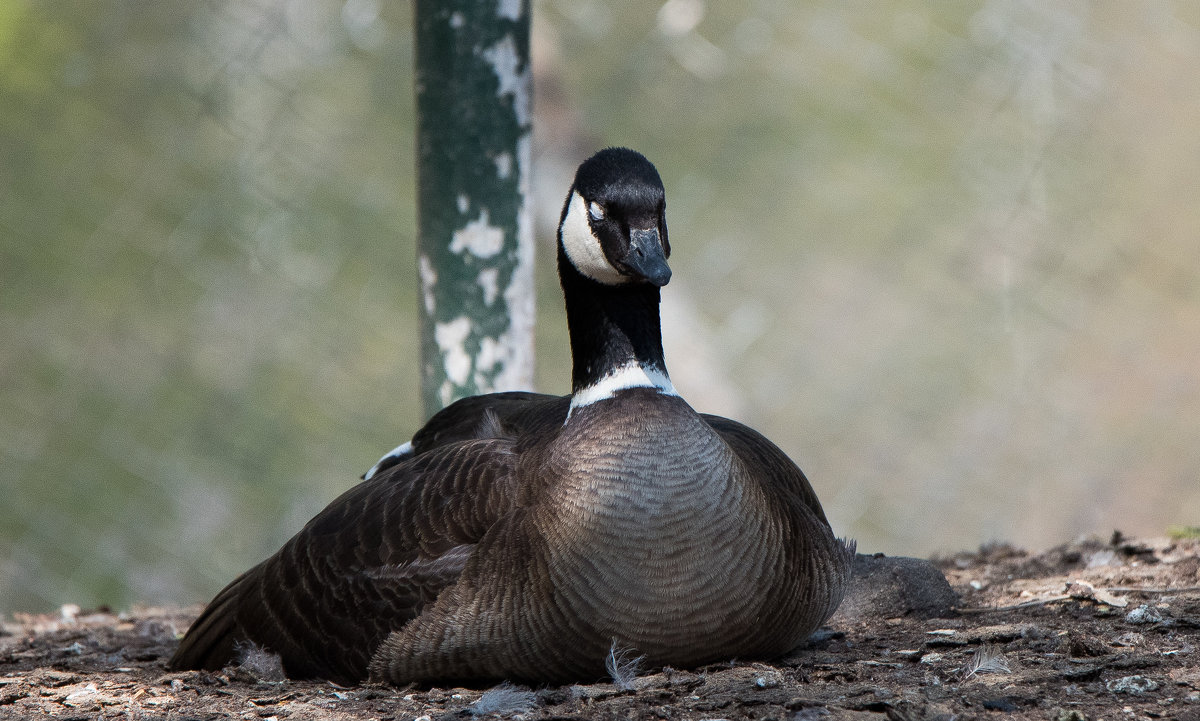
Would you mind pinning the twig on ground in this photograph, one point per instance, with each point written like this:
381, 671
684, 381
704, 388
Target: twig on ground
1015, 606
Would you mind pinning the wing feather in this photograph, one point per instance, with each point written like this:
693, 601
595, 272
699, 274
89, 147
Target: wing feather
363, 567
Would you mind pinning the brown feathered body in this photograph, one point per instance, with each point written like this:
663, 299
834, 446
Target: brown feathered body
527, 556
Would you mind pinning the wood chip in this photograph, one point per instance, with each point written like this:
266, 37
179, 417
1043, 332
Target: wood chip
1086, 591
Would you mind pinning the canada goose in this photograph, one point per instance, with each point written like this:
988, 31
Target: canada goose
521, 536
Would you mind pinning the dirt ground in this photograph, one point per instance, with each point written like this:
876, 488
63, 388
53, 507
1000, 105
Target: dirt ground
1100, 629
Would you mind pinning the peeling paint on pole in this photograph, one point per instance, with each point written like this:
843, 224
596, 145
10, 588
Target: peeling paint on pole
475, 250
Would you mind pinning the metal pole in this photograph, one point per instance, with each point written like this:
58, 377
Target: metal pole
475, 245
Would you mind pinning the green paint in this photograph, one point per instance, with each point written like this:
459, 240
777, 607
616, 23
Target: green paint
475, 242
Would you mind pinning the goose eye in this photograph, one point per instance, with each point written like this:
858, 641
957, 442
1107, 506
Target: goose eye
595, 211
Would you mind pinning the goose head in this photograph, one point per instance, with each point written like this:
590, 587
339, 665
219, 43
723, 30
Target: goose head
613, 228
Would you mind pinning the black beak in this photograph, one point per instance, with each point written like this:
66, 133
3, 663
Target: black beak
646, 256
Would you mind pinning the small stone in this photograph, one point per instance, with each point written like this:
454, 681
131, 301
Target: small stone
1132, 685
83, 697
1144, 614
768, 680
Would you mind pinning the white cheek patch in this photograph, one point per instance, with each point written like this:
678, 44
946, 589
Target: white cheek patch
583, 247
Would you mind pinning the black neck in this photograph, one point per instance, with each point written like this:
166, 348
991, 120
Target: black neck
610, 326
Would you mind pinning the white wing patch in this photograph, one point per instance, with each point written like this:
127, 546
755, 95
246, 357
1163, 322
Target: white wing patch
633, 375
400, 452
583, 247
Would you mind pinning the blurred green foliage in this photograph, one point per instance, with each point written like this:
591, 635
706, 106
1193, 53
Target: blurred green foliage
943, 253
205, 215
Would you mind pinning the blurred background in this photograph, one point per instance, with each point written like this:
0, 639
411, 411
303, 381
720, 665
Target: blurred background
947, 255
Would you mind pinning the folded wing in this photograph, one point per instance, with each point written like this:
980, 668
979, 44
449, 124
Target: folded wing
362, 568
